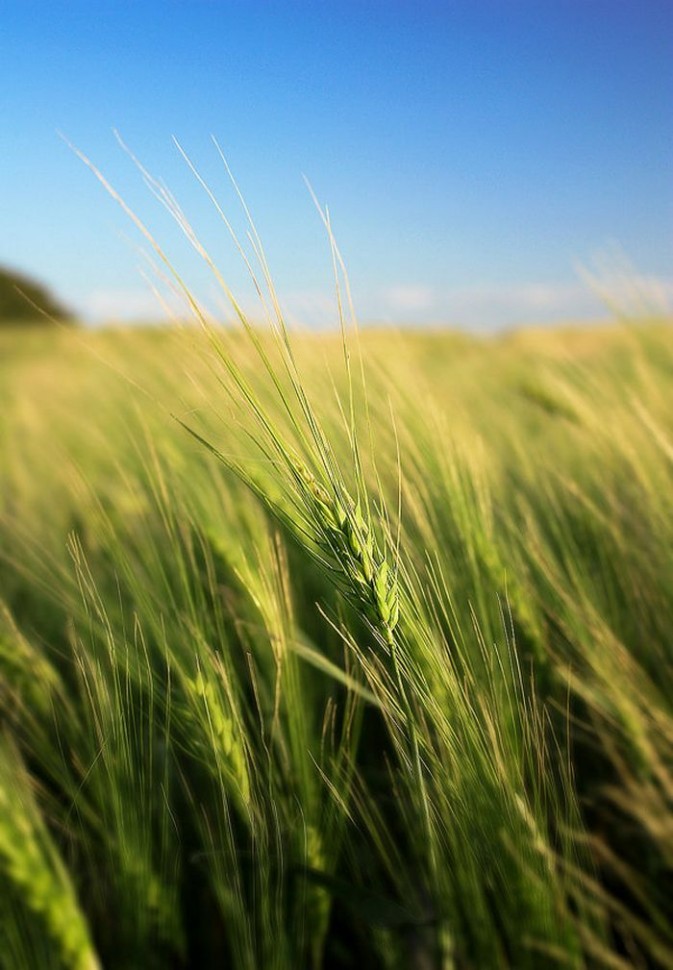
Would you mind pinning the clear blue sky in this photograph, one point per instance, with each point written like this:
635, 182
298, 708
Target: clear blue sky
472, 153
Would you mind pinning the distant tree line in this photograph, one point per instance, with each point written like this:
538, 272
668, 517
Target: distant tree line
23, 300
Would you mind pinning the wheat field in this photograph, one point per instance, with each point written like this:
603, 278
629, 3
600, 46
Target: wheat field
324, 652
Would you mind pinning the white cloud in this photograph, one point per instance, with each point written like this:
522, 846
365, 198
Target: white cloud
494, 306
630, 293
127, 304
311, 308
502, 305
406, 298
487, 307
315, 309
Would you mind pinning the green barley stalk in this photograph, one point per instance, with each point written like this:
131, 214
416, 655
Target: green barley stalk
32, 866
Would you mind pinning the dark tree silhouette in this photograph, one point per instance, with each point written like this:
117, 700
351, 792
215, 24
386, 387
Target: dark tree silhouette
22, 299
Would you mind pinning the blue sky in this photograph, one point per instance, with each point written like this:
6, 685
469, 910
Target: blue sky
473, 154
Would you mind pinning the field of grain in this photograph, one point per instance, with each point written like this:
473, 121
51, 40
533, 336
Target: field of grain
325, 655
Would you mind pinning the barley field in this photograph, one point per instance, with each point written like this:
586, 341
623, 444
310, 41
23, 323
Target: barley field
336, 652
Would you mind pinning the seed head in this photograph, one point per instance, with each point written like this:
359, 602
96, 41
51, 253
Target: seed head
344, 532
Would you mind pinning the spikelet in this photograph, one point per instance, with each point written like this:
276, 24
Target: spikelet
223, 733
344, 533
30, 863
